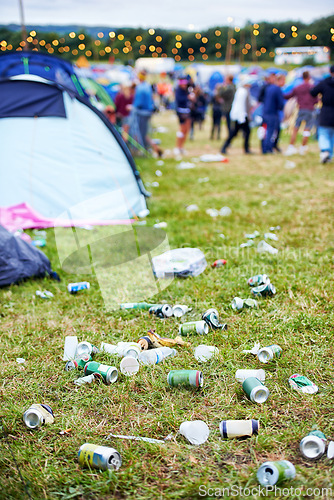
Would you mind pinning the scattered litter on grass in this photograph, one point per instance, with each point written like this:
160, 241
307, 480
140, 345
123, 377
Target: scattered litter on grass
155, 184
76, 287
258, 279
180, 310
129, 366
239, 304
264, 203
155, 356
266, 290
205, 352
158, 173
185, 165
88, 379
251, 236
264, 247
330, 450
37, 415
191, 327
225, 211
255, 390
271, 236
219, 262
302, 384
70, 347
211, 318
289, 164
275, 228
161, 130
160, 163
268, 353
203, 179
160, 225
209, 158
65, 432
230, 429
222, 236
271, 473
181, 262
241, 375
192, 378
140, 438
99, 457
20, 360
44, 295
249, 243
313, 445
212, 212
192, 208
195, 431
254, 350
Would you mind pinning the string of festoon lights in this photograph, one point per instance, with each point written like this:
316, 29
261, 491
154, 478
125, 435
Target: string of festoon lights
232, 44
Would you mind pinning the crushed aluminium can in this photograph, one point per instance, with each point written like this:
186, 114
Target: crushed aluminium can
255, 390
86, 349
37, 415
268, 353
271, 473
200, 327
266, 290
76, 287
193, 378
161, 310
78, 363
99, 457
238, 428
302, 384
219, 263
313, 445
180, 310
108, 374
238, 304
258, 279
211, 317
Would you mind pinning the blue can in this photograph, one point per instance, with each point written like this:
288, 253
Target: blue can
75, 287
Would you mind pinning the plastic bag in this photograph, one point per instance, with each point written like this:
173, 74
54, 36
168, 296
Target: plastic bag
180, 262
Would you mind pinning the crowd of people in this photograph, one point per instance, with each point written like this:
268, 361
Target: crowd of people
236, 106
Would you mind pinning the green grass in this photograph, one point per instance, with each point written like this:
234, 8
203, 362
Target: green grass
299, 318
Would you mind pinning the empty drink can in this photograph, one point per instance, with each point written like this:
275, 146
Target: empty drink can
211, 317
99, 457
259, 279
37, 415
162, 311
180, 310
108, 374
241, 375
265, 290
238, 428
76, 287
86, 349
268, 353
144, 306
78, 363
219, 263
199, 327
186, 377
255, 390
270, 473
313, 445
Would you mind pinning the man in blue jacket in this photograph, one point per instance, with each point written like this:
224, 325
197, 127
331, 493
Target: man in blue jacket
273, 103
326, 120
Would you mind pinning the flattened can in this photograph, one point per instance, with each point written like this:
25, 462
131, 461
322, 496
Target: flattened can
161, 310
219, 263
200, 327
259, 279
313, 445
99, 457
78, 363
265, 290
238, 428
271, 473
76, 287
37, 415
255, 390
109, 374
211, 317
185, 377
268, 353
86, 348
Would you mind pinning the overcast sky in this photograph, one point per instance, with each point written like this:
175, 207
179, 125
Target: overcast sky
182, 14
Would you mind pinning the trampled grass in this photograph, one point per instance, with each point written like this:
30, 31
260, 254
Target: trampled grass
299, 318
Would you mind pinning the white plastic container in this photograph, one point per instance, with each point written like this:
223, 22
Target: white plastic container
205, 352
70, 347
154, 356
196, 431
241, 375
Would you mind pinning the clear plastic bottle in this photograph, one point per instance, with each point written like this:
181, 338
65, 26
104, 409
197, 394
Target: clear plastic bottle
154, 356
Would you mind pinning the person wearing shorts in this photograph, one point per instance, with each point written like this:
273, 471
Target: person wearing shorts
182, 104
306, 114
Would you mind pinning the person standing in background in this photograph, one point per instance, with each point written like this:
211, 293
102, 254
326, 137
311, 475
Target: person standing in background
273, 103
183, 98
306, 103
326, 119
226, 92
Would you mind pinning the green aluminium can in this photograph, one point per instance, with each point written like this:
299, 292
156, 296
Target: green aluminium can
193, 378
99, 457
268, 353
108, 374
255, 390
78, 363
271, 473
265, 290
259, 279
144, 306
313, 445
200, 327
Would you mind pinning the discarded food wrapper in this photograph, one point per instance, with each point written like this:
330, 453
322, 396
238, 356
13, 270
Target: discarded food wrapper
185, 165
70, 347
20, 360
249, 243
129, 366
88, 379
205, 352
263, 246
160, 225
139, 438
158, 341
180, 262
254, 350
209, 158
44, 295
158, 173
196, 431
251, 236
302, 384
271, 236
192, 208
225, 211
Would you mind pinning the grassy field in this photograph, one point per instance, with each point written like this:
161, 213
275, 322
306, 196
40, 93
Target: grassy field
300, 318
